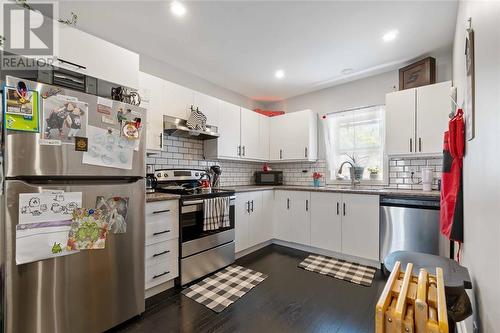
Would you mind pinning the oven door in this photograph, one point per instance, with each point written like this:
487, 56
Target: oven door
191, 221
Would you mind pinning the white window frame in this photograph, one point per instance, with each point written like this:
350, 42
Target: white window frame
385, 160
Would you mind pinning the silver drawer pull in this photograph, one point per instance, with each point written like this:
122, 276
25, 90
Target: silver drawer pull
161, 211
161, 253
157, 276
161, 232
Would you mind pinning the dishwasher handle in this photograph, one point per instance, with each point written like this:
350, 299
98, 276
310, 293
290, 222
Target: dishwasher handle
411, 202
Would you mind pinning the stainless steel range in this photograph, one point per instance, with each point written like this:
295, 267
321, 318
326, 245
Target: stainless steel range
201, 252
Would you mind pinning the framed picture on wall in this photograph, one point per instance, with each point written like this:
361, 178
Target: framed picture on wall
469, 89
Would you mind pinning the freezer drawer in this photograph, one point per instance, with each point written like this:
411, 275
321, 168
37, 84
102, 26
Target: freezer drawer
89, 291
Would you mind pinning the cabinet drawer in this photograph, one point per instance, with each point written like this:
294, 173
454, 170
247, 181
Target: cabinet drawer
162, 230
168, 250
161, 272
161, 210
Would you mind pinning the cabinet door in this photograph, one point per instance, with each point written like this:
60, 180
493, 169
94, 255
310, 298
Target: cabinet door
264, 126
250, 123
229, 130
277, 137
119, 65
150, 88
296, 146
260, 225
400, 122
241, 218
360, 225
433, 107
326, 229
177, 100
209, 106
282, 224
300, 217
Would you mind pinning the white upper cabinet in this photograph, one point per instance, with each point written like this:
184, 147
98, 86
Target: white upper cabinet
433, 108
250, 134
151, 90
400, 122
209, 106
177, 100
294, 137
82, 52
417, 118
228, 144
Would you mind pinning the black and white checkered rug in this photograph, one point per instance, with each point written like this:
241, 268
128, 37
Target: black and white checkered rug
340, 269
220, 290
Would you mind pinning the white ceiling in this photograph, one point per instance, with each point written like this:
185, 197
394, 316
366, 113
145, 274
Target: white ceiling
240, 44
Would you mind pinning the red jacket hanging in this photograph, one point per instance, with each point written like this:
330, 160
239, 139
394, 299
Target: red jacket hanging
451, 182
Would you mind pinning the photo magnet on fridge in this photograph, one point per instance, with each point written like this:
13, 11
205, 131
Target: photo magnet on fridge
21, 108
81, 143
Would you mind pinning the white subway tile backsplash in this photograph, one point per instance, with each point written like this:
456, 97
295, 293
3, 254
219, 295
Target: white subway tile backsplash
188, 153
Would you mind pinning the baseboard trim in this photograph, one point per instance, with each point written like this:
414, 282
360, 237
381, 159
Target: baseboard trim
159, 288
252, 249
312, 249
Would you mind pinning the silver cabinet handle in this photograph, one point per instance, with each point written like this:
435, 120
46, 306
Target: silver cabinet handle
420, 144
161, 232
157, 276
281, 154
248, 207
305, 152
243, 151
161, 140
287, 203
239, 150
411, 145
161, 211
70, 63
252, 207
307, 205
161, 253
338, 208
344, 208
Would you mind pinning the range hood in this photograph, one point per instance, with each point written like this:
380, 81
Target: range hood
177, 127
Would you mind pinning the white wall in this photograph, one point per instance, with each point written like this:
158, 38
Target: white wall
173, 74
362, 92
481, 248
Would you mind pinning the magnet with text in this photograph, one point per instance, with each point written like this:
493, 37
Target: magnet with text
81, 143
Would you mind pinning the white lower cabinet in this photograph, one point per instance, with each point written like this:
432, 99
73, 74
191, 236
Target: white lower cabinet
162, 242
292, 218
326, 221
343, 223
253, 219
360, 225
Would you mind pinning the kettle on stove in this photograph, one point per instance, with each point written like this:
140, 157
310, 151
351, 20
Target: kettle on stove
151, 183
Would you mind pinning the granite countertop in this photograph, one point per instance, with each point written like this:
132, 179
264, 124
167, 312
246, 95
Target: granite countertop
340, 189
152, 197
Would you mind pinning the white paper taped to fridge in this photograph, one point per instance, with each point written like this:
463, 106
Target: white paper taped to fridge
42, 240
48, 206
108, 149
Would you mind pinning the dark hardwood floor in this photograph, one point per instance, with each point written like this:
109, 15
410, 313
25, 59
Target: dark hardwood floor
289, 300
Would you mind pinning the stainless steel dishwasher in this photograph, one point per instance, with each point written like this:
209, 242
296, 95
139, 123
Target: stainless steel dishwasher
409, 224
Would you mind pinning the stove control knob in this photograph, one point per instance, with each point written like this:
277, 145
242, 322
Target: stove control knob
165, 175
196, 174
158, 175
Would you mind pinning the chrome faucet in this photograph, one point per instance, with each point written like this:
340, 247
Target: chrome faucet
351, 172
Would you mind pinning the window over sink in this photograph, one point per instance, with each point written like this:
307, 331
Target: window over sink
357, 136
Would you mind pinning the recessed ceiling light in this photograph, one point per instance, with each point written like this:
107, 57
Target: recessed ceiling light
177, 8
279, 74
347, 71
390, 35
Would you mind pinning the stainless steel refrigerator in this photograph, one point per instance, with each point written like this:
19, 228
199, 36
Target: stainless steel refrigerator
92, 290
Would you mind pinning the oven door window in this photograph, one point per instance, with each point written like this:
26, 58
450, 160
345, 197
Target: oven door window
191, 222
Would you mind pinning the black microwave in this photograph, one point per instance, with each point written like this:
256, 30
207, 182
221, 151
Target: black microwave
269, 177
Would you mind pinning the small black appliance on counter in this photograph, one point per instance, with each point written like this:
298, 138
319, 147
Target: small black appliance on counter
269, 177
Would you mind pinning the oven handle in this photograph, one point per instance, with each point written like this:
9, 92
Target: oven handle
199, 202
